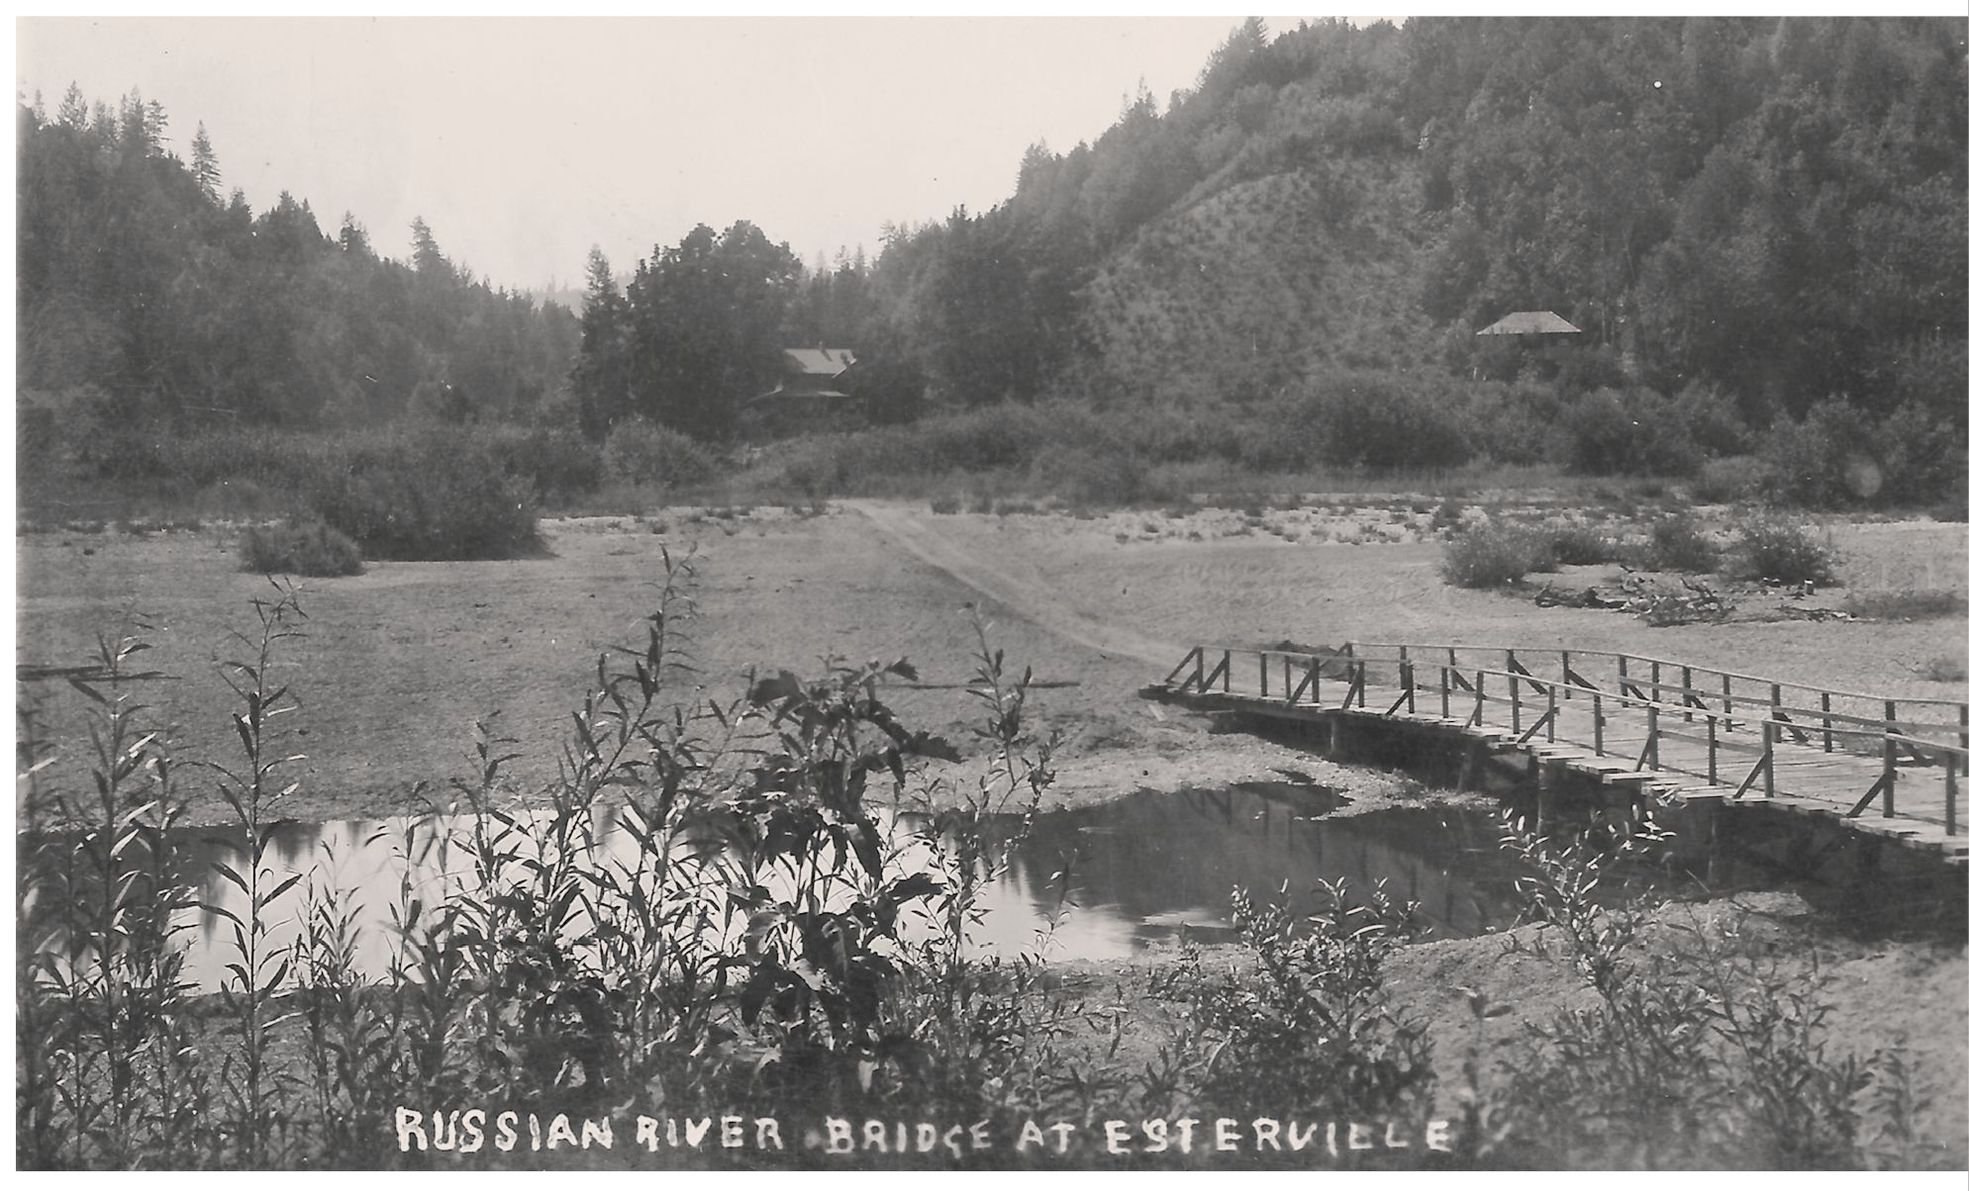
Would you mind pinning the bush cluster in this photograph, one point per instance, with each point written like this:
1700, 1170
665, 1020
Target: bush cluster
303, 547
640, 452
1495, 555
559, 463
1780, 551
1676, 543
425, 497
1842, 457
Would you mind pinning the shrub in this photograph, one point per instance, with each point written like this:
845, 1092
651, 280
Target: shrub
1576, 545
1495, 556
1383, 421
558, 462
641, 452
1512, 423
1609, 432
1841, 457
1782, 552
1725, 480
306, 547
433, 496
1312, 1030
1675, 543
1098, 475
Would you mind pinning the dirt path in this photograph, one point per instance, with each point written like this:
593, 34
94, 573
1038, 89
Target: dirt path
1025, 594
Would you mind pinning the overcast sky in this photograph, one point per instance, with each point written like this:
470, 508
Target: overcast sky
523, 141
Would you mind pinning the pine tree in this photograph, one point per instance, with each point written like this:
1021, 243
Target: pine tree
205, 163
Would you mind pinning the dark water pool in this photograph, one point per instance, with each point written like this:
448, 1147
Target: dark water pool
1101, 882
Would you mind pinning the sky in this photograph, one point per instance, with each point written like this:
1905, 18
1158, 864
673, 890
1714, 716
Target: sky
524, 141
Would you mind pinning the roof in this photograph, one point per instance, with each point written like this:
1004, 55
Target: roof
1530, 322
818, 361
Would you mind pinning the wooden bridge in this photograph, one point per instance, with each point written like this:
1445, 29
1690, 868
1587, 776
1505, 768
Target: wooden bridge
1670, 732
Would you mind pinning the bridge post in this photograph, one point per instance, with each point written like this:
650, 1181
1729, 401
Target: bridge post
1770, 759
1565, 670
1688, 697
1712, 750
1727, 726
1948, 793
1264, 676
1445, 692
1825, 717
1599, 729
1888, 757
1479, 720
1511, 682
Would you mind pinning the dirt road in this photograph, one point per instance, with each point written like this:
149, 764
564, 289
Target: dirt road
1021, 590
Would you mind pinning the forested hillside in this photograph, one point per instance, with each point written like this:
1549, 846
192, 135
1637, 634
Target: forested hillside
1773, 207
1761, 226
144, 290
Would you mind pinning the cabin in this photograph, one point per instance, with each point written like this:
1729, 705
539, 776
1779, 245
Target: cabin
813, 390
1523, 338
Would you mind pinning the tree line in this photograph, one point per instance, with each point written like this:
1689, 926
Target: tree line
148, 292
1772, 214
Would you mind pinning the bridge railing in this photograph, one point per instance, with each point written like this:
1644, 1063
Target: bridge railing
1851, 720
1534, 705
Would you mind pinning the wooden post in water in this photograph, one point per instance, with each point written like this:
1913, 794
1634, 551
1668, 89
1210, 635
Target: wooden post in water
1825, 717
1599, 729
1545, 780
1727, 727
1565, 670
1551, 714
1511, 682
1688, 697
1264, 677
1445, 692
1479, 720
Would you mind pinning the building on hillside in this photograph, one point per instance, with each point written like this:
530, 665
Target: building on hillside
812, 391
1534, 340
1530, 322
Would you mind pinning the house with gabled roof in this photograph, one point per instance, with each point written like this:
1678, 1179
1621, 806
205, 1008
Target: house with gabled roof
812, 389
1530, 322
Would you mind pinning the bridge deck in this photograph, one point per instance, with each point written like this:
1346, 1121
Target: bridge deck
1888, 766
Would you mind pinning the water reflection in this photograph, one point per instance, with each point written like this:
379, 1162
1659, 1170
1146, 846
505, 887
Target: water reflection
1100, 882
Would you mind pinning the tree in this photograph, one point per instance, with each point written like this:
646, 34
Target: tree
205, 163
706, 321
425, 255
600, 377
